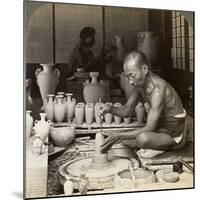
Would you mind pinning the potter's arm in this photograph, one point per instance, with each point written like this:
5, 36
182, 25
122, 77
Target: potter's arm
127, 109
157, 104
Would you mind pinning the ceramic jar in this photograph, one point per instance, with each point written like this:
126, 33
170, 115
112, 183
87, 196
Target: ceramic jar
148, 44
140, 113
127, 120
116, 118
62, 136
29, 123
42, 127
59, 109
49, 107
108, 116
70, 107
68, 188
79, 113
94, 90
47, 80
89, 113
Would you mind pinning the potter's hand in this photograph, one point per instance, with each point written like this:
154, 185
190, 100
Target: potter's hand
109, 141
103, 109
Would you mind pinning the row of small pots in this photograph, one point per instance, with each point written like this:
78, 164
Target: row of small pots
60, 107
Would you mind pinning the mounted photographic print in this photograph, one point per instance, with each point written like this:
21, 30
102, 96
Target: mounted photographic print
108, 98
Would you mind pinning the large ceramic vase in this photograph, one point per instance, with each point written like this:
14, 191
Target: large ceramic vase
117, 119
119, 43
29, 123
126, 86
49, 107
42, 127
89, 113
59, 109
94, 90
108, 116
79, 113
148, 44
47, 80
70, 107
140, 113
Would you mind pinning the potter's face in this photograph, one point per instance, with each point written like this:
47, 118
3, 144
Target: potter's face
134, 73
89, 42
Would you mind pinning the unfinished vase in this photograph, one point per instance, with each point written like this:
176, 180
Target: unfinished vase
89, 113
59, 109
117, 119
108, 116
70, 107
94, 90
79, 113
49, 108
42, 127
47, 80
29, 123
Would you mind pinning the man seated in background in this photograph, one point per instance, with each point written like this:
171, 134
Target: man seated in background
82, 55
164, 129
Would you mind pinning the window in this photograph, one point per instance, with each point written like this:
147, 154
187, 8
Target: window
182, 43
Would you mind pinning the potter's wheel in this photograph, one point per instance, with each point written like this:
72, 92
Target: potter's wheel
100, 177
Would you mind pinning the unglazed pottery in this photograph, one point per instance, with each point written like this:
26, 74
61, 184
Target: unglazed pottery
89, 113
116, 118
94, 90
108, 116
47, 80
59, 109
29, 123
79, 113
62, 136
148, 44
140, 113
42, 127
49, 107
127, 120
68, 188
70, 107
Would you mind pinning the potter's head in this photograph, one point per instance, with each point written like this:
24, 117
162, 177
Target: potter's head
136, 67
87, 36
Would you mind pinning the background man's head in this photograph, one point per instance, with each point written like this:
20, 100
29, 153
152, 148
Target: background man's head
87, 36
136, 67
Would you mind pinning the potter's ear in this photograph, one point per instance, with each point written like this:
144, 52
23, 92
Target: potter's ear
145, 69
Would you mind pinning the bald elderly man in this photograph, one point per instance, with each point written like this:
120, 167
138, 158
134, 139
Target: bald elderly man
166, 117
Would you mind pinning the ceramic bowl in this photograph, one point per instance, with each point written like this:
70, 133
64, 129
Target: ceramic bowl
62, 136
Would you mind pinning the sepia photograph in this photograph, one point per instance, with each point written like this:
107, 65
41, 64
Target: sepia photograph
108, 99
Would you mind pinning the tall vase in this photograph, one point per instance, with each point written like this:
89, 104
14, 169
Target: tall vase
47, 80
29, 123
79, 113
59, 109
140, 113
94, 90
70, 107
117, 118
49, 108
108, 116
89, 113
148, 44
42, 127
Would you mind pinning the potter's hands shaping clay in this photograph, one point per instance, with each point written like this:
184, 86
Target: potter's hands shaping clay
103, 109
109, 141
